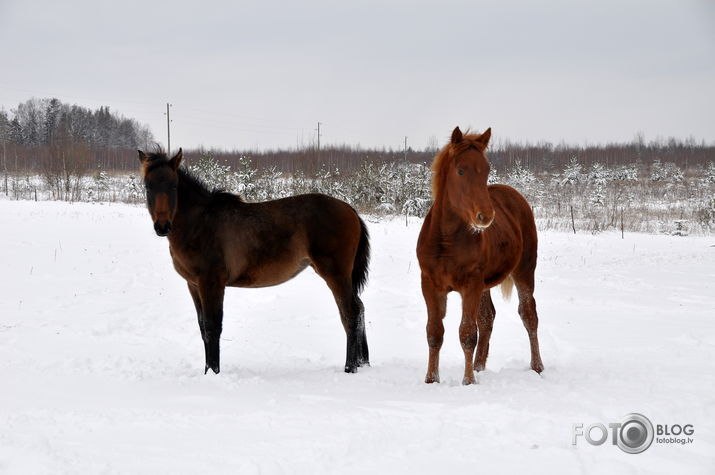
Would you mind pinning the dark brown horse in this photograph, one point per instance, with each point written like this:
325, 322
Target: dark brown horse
473, 238
217, 240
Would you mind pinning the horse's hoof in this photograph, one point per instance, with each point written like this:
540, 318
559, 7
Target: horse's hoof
351, 369
479, 367
467, 381
432, 378
538, 367
215, 368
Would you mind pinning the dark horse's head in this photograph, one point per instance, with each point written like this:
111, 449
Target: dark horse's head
460, 177
161, 181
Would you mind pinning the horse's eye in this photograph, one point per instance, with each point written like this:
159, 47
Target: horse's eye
461, 172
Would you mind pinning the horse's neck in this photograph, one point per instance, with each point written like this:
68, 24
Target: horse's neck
445, 222
191, 202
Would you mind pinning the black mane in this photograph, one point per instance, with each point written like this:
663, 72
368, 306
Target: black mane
194, 183
199, 186
189, 178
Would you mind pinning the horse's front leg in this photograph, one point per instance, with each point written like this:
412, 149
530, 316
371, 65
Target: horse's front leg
485, 323
468, 330
194, 291
436, 301
211, 293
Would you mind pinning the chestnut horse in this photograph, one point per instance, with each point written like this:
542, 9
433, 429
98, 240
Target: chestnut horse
217, 240
473, 238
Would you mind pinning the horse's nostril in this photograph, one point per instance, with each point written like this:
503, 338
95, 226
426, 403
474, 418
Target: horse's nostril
162, 229
480, 217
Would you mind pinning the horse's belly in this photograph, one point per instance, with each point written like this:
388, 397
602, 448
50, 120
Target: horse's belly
269, 274
449, 273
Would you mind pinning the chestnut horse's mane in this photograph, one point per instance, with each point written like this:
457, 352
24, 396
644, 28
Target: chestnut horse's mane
441, 161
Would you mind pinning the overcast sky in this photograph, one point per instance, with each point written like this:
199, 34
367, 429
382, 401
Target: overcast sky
262, 74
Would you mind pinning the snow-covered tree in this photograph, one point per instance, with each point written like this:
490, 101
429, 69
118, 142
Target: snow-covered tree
271, 185
572, 174
494, 176
657, 171
709, 175
520, 177
212, 173
599, 174
133, 189
244, 179
628, 173
666, 172
598, 177
674, 173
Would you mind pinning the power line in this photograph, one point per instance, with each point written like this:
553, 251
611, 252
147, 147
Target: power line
213, 112
168, 130
73, 96
250, 121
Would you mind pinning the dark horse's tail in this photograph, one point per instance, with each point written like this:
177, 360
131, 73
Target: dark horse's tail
362, 259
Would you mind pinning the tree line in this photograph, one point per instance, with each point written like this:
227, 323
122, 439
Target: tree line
47, 134
539, 158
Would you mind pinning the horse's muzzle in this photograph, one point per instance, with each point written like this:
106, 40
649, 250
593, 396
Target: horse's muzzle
481, 222
162, 229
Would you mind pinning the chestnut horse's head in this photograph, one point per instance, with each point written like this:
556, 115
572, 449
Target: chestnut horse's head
161, 182
460, 177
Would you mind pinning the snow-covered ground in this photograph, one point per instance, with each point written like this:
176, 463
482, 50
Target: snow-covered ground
101, 362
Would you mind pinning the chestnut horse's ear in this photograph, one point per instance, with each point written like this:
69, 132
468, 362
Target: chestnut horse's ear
142, 156
177, 159
484, 138
456, 135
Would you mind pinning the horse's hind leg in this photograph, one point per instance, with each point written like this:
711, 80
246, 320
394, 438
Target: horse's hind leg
485, 322
351, 316
363, 351
527, 312
351, 312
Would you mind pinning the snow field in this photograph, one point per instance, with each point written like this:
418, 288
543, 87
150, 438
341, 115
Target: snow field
101, 361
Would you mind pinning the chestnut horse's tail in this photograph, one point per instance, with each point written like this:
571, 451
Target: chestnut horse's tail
507, 286
362, 259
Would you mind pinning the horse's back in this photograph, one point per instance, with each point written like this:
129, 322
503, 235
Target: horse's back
320, 217
270, 242
332, 227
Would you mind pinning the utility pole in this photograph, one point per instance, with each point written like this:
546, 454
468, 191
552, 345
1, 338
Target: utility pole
3, 135
4, 161
318, 135
405, 148
168, 130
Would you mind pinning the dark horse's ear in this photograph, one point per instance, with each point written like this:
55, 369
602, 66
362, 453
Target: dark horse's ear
484, 138
142, 156
456, 135
177, 159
